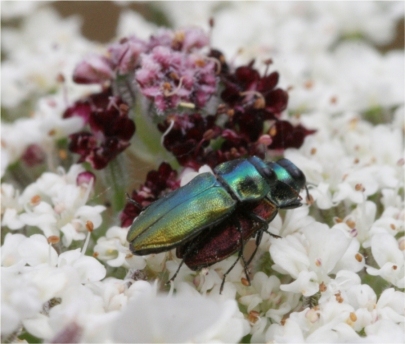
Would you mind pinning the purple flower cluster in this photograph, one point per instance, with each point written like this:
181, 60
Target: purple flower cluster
169, 69
168, 78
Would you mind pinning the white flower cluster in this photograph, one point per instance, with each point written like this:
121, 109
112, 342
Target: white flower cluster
55, 204
40, 59
337, 274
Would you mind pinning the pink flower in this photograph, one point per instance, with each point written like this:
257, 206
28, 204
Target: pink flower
95, 69
170, 77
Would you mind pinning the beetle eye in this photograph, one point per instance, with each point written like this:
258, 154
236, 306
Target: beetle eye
295, 173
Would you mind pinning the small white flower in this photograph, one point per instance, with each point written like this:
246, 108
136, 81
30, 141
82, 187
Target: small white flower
55, 203
88, 268
311, 256
113, 248
36, 251
209, 279
9, 197
359, 222
390, 259
325, 325
10, 256
293, 222
79, 306
384, 331
271, 304
390, 306
19, 300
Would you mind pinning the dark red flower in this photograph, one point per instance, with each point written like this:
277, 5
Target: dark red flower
245, 90
189, 136
285, 135
109, 132
252, 104
158, 182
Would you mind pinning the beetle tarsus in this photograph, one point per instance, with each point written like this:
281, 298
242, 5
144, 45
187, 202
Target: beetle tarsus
175, 274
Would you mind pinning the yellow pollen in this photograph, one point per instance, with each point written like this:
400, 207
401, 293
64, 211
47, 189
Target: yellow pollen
245, 282
35, 200
253, 316
359, 257
53, 239
89, 225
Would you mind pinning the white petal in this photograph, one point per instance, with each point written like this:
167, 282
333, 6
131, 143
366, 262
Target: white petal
290, 255
326, 247
9, 251
307, 284
38, 326
36, 250
183, 318
385, 331
89, 269
385, 249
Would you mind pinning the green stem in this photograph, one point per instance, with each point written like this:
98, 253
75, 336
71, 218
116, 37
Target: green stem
115, 178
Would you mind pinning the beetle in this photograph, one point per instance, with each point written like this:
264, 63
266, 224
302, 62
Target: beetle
229, 237
209, 200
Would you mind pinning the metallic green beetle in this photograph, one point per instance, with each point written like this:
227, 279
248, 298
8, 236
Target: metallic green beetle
210, 199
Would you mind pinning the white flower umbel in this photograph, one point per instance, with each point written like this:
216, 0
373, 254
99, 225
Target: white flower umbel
43, 48
34, 277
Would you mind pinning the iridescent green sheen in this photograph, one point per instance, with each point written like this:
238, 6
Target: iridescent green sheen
290, 180
243, 180
180, 215
282, 174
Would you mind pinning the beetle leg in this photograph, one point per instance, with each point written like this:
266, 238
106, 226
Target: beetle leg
273, 235
177, 271
240, 255
186, 253
259, 234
